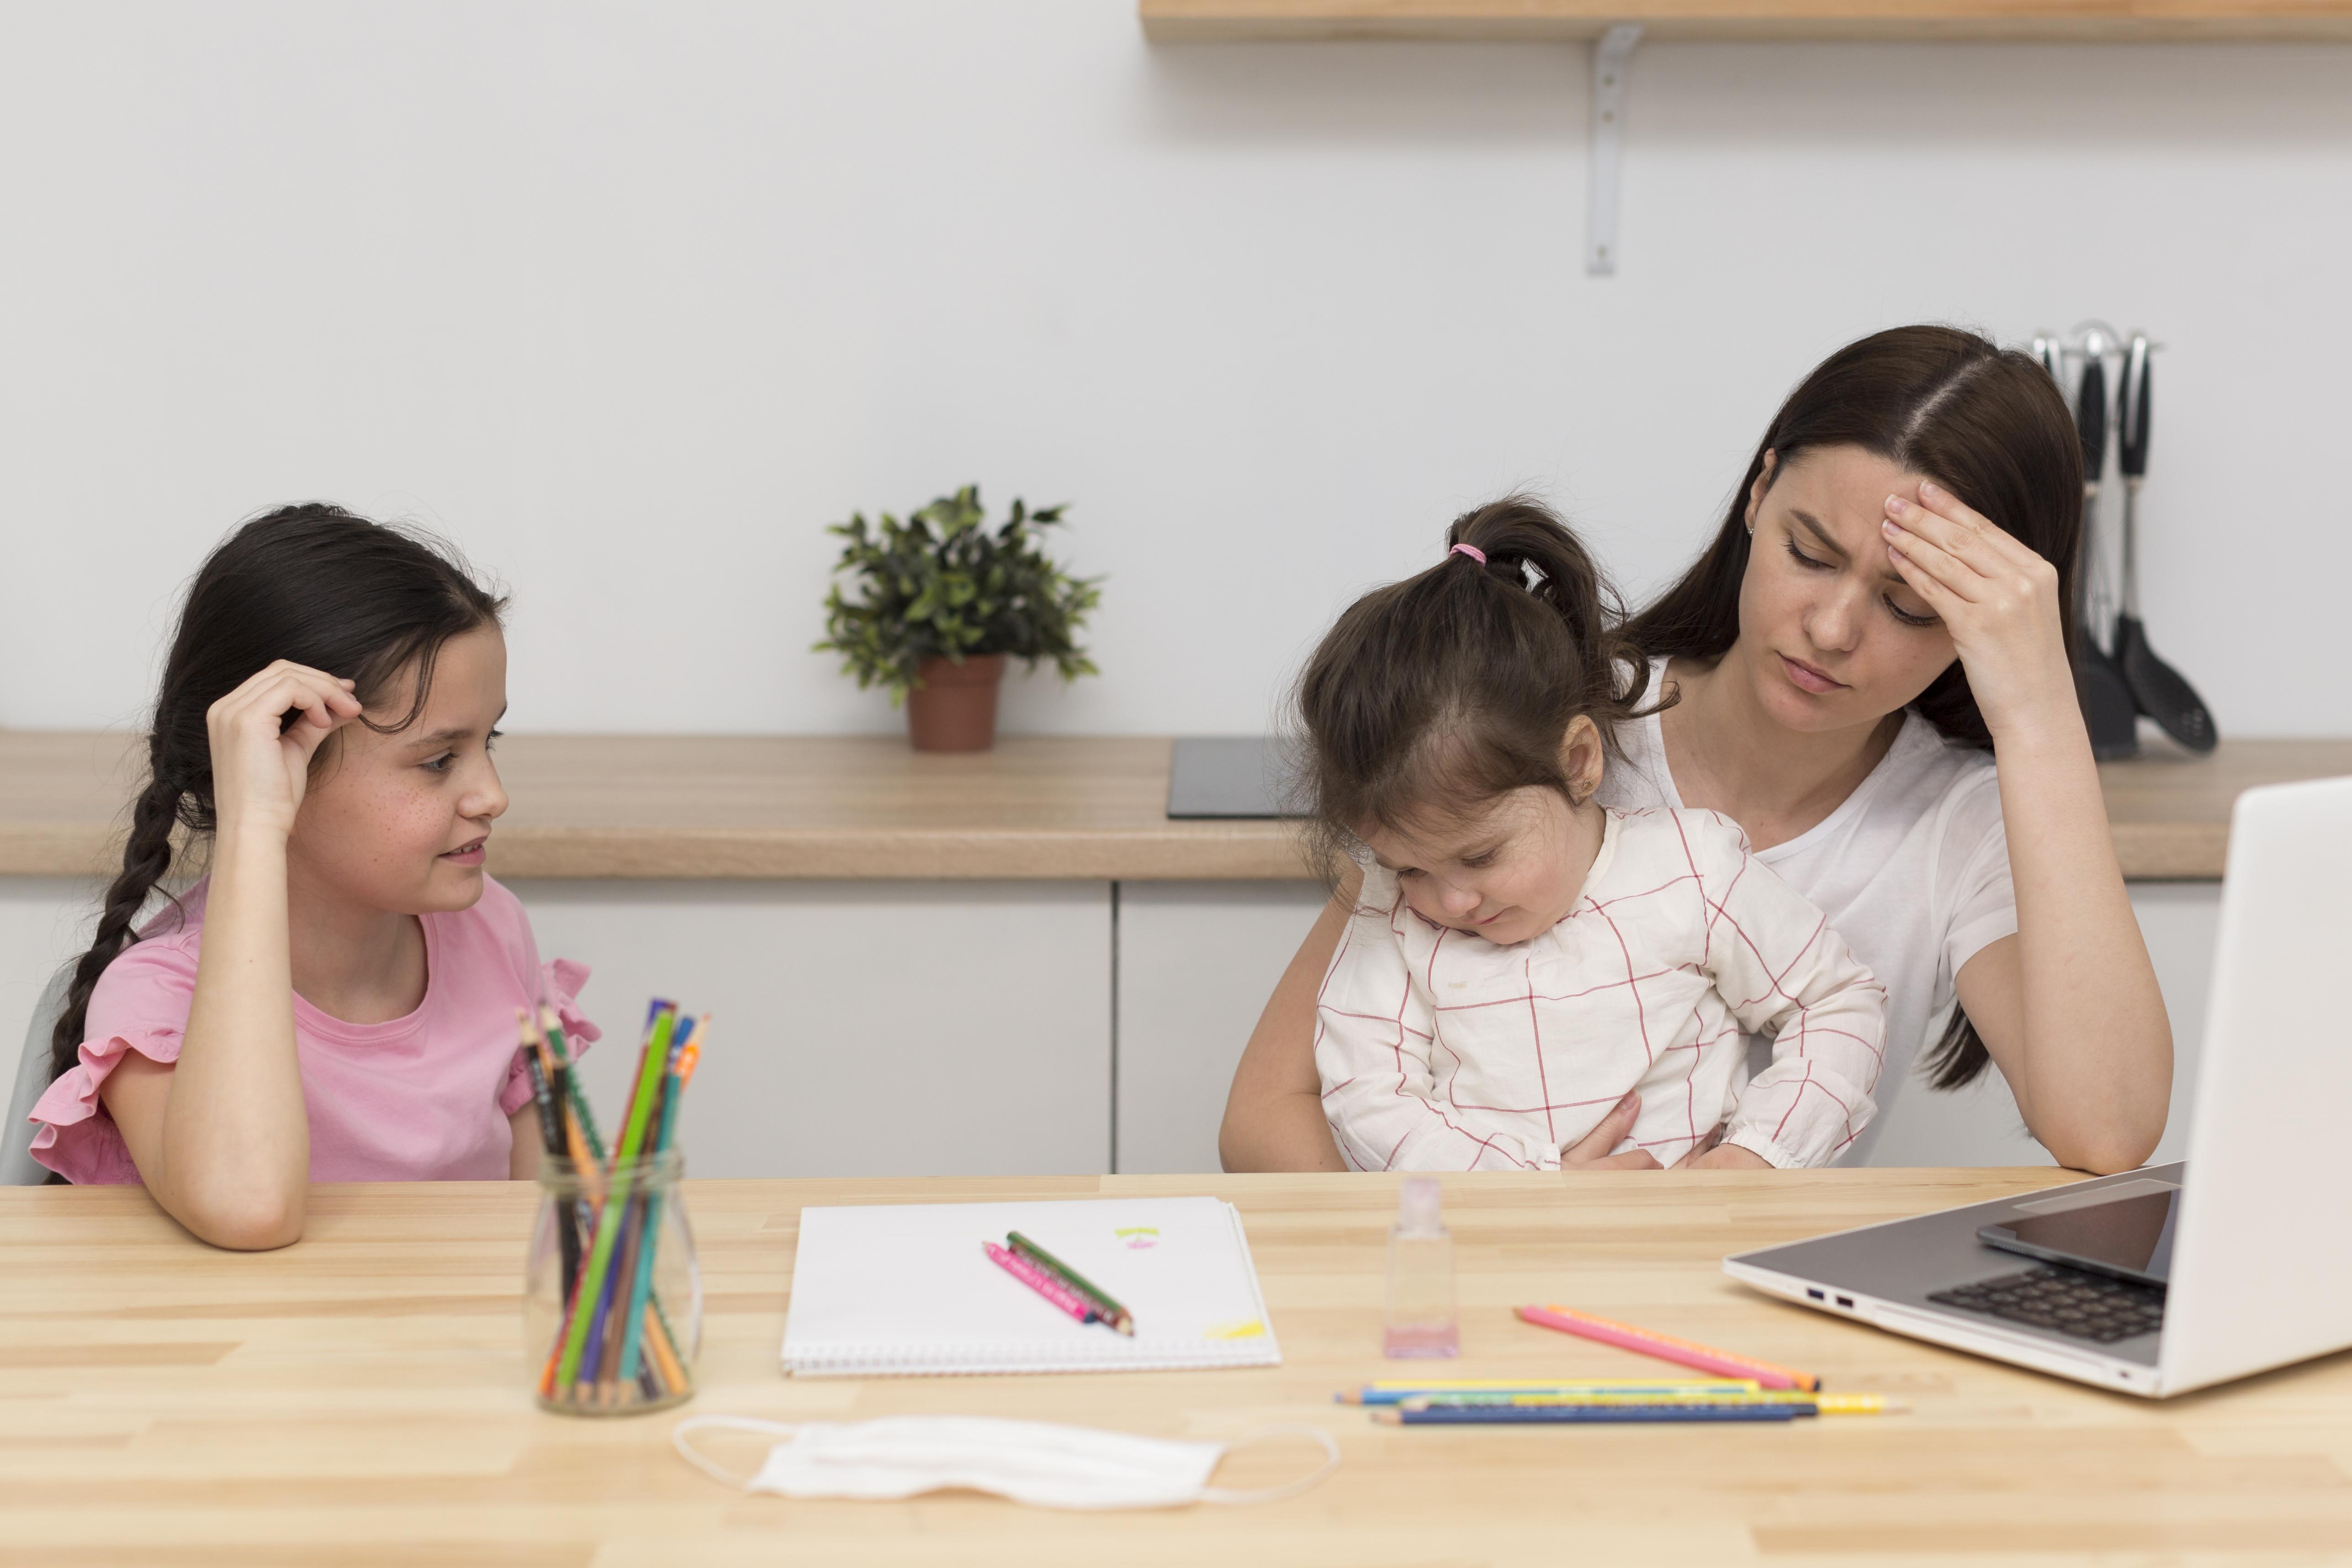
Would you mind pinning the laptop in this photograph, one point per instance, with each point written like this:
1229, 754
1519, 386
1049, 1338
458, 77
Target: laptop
2159, 1281
1231, 776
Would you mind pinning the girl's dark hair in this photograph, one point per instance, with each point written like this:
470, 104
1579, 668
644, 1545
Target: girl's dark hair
1435, 695
1986, 423
312, 584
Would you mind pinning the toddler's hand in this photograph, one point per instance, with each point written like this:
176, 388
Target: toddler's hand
1590, 1152
1729, 1157
261, 765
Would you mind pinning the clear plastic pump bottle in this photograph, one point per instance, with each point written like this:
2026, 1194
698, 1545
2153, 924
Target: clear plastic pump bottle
1420, 1322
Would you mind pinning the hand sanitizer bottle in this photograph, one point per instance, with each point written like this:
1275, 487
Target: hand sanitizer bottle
1421, 1277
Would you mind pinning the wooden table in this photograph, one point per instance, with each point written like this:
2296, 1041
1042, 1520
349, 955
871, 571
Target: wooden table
358, 1400
1067, 808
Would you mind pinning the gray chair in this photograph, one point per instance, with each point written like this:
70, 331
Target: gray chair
17, 1165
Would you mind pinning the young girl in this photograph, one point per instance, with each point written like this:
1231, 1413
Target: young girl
335, 1000
1522, 963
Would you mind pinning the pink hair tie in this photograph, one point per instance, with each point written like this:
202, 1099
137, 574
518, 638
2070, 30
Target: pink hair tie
1473, 551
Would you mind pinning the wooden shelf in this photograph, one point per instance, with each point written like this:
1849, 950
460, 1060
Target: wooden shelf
1211, 21
1067, 808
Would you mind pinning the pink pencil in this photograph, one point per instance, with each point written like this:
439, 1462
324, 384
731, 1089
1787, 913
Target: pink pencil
1042, 1282
1706, 1358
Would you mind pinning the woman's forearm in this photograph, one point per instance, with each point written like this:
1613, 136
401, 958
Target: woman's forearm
1274, 1115
2093, 1070
234, 1138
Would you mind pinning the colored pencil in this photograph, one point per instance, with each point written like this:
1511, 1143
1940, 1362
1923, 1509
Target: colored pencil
1116, 1316
1578, 1414
551, 1130
1397, 1392
1803, 1403
643, 1276
1044, 1284
1684, 1353
608, 1224
579, 1100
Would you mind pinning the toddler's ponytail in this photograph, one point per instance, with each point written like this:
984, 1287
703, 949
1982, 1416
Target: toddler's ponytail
1433, 696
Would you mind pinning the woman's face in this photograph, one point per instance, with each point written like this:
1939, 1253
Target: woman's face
1829, 636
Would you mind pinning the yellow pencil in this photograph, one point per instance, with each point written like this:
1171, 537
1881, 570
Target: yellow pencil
1822, 1404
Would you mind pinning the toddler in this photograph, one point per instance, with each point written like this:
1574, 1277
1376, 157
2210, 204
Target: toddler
1521, 960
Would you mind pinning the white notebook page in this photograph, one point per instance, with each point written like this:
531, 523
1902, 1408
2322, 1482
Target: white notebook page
908, 1289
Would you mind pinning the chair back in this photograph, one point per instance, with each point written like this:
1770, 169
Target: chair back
17, 1165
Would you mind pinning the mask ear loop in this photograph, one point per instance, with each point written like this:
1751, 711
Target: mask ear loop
728, 1423
1277, 1494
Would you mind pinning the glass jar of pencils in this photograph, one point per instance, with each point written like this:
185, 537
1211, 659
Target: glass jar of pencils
613, 1296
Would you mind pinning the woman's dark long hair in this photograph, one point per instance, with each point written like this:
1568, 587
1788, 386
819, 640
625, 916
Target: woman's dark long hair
1984, 422
1431, 696
312, 584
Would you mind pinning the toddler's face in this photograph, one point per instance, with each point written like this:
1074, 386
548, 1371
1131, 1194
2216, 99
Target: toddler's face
401, 821
1510, 873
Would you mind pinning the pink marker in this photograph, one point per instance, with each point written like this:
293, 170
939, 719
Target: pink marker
1042, 1282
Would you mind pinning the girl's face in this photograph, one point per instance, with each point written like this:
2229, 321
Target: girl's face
1513, 871
400, 821
1830, 637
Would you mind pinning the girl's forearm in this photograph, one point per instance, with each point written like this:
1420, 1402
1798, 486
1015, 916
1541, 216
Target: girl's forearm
235, 1135
2093, 1072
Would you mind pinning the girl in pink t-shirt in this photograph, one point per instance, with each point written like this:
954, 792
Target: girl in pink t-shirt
335, 1000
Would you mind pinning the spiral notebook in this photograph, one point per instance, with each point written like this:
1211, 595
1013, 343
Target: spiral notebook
906, 1289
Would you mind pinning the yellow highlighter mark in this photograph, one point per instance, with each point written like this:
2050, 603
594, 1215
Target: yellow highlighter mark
1253, 1329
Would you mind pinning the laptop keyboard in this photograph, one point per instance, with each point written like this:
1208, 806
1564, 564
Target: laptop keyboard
2064, 1301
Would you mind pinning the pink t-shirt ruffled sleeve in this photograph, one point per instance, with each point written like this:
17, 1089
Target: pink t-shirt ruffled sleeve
560, 983
140, 1004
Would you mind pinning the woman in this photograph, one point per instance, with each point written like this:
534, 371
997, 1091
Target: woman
1885, 611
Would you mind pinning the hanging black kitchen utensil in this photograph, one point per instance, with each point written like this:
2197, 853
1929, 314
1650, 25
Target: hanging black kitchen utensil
2108, 711
2157, 689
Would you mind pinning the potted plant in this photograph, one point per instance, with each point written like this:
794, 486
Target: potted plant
942, 601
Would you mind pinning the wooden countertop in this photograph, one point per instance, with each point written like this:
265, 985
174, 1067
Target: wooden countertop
867, 807
359, 1398
1189, 21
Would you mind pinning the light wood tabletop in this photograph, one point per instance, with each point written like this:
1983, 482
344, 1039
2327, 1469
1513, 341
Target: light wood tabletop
358, 1399
1082, 808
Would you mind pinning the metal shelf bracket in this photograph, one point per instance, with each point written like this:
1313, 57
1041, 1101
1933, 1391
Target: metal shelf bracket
1610, 55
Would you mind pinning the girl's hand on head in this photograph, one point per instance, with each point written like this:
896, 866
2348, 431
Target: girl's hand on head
1998, 599
260, 763
1590, 1152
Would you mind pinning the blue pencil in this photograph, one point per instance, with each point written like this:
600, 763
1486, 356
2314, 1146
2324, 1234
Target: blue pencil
1576, 1415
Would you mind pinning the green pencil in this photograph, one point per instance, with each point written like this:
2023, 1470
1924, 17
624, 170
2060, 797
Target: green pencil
617, 1203
1114, 1315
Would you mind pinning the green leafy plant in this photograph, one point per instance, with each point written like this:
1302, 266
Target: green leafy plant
942, 584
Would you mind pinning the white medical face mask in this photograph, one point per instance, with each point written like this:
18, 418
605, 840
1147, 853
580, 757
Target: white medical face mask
1029, 1461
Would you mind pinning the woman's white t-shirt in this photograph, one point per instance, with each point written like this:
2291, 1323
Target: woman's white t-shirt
1912, 870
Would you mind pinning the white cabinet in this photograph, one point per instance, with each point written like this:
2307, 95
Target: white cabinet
1196, 963
967, 1028
858, 1027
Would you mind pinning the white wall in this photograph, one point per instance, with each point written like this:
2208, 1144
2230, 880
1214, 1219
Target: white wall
636, 297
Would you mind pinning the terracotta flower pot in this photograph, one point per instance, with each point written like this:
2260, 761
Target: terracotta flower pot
954, 709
